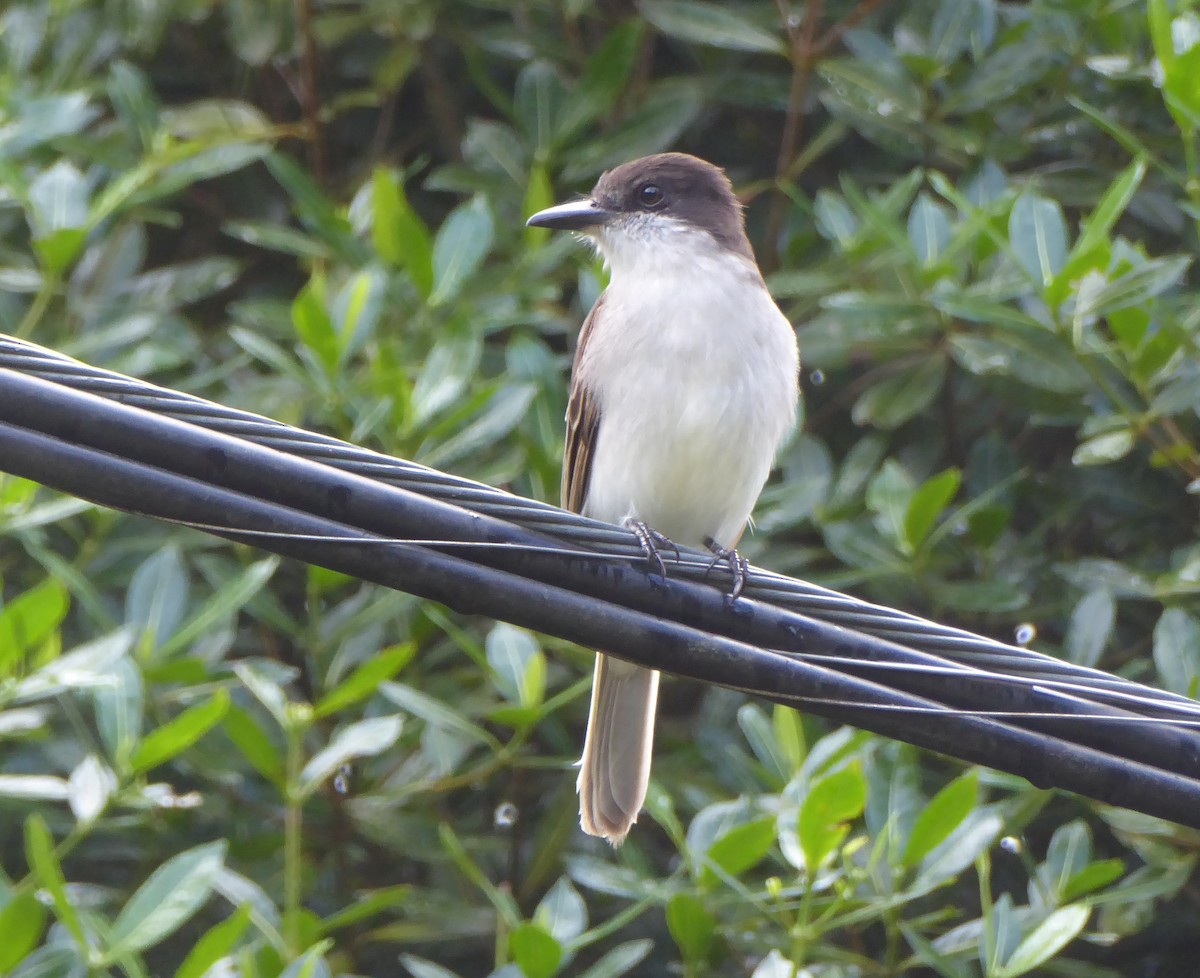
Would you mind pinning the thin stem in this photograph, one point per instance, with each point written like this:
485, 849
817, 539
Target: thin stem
310, 92
293, 838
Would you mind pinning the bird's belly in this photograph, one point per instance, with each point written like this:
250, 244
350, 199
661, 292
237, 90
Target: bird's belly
691, 467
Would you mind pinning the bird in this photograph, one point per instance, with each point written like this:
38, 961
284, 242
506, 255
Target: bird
684, 386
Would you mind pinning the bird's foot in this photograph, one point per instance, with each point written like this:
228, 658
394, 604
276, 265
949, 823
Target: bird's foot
652, 543
739, 566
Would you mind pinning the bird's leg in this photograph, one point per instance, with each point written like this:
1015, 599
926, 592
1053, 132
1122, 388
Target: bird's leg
739, 566
651, 542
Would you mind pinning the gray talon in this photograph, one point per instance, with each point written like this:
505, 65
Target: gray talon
739, 566
652, 542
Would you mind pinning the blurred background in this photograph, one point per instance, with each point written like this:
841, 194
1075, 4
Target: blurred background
980, 216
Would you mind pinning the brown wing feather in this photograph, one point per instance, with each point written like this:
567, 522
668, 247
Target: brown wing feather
583, 422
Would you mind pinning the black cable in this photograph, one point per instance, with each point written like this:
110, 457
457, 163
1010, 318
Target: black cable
641, 637
1057, 707
783, 592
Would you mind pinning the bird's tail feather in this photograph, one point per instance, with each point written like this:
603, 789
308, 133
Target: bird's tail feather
615, 768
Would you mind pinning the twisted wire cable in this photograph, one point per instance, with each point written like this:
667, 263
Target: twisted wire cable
961, 648
132, 446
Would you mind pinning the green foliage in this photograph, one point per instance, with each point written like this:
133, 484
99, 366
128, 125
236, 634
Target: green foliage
981, 215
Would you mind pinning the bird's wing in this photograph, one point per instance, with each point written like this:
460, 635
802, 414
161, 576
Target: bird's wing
583, 425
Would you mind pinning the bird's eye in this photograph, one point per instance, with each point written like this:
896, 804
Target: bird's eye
650, 196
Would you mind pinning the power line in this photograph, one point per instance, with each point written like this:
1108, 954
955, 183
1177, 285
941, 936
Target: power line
133, 446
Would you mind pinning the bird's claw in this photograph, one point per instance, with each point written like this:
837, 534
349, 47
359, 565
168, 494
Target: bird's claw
652, 542
739, 566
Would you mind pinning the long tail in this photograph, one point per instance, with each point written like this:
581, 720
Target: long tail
615, 768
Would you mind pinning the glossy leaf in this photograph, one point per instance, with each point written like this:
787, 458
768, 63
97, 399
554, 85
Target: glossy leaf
1037, 233
709, 23
169, 897
532, 947
827, 808
365, 738
178, 734
459, 247
691, 925
944, 813
1047, 939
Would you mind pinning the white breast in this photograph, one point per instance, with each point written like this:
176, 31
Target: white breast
695, 370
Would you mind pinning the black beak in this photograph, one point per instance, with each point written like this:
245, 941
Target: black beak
578, 215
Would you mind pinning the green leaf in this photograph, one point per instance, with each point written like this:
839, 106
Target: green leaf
367, 905
22, 922
712, 24
1102, 449
277, 237
42, 859
420, 968
89, 787
888, 497
58, 199
834, 219
959, 24
357, 309
255, 745
231, 597
1047, 939
45, 118
517, 663
168, 899
1177, 651
398, 234
761, 738
1029, 356
1091, 626
659, 119
313, 324
562, 912
829, 804
1092, 877
180, 733
52, 961
738, 849
315, 210
366, 738
789, 735
1097, 228
928, 227
119, 705
900, 398
538, 954
538, 102
600, 86
961, 848
944, 813
434, 712
692, 927
1037, 233
311, 964
366, 679
927, 503
158, 595
502, 412
446, 373
621, 960
461, 244
29, 620
218, 941
257, 677
1133, 287
538, 196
